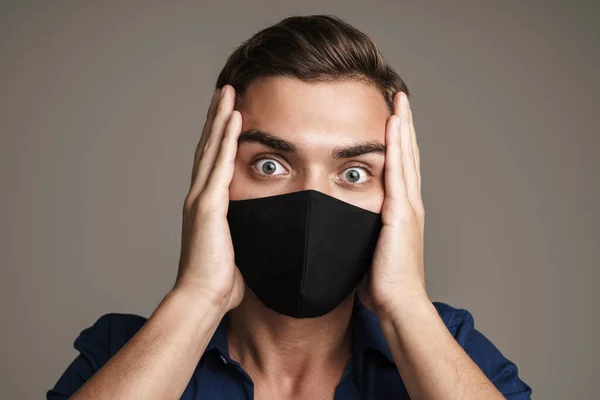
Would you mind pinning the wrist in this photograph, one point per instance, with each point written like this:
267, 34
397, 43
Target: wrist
197, 301
405, 308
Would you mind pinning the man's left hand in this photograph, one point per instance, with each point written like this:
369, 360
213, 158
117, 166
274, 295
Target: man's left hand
397, 273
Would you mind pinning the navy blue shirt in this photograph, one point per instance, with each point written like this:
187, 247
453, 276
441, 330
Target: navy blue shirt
370, 374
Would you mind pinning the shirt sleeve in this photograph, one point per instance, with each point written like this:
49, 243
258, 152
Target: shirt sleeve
96, 345
503, 373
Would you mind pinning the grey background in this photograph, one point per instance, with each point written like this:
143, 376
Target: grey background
101, 106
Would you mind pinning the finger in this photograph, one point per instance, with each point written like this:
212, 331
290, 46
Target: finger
399, 110
408, 161
395, 189
213, 142
210, 116
222, 172
415, 147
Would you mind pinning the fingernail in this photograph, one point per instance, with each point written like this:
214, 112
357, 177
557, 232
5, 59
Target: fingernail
222, 91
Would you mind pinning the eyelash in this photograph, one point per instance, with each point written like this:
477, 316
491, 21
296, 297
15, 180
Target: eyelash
361, 166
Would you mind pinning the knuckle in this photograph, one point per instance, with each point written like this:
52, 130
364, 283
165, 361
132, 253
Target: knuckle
420, 210
207, 145
205, 204
420, 213
201, 207
188, 204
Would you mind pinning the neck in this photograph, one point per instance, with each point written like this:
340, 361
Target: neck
277, 347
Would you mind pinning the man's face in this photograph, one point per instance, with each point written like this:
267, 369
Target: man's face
297, 136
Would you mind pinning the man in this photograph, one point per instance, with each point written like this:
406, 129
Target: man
301, 268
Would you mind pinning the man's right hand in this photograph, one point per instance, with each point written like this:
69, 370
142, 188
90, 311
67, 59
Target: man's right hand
159, 360
207, 263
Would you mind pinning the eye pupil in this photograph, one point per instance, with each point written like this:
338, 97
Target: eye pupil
353, 175
269, 167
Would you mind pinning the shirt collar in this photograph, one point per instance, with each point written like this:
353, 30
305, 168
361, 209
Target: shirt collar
367, 333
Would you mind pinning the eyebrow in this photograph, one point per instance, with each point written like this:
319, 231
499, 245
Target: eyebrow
254, 135
268, 139
358, 149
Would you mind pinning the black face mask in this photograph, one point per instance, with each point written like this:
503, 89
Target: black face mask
302, 253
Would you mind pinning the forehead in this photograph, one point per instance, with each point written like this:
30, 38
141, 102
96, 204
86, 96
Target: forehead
335, 112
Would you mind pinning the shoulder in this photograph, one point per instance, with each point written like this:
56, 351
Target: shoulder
110, 332
461, 325
106, 336
119, 324
499, 369
453, 317
96, 344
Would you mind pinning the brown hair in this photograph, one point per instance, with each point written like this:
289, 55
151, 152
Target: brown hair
312, 48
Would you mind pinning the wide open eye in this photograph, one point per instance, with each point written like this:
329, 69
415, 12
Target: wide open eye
268, 167
355, 175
